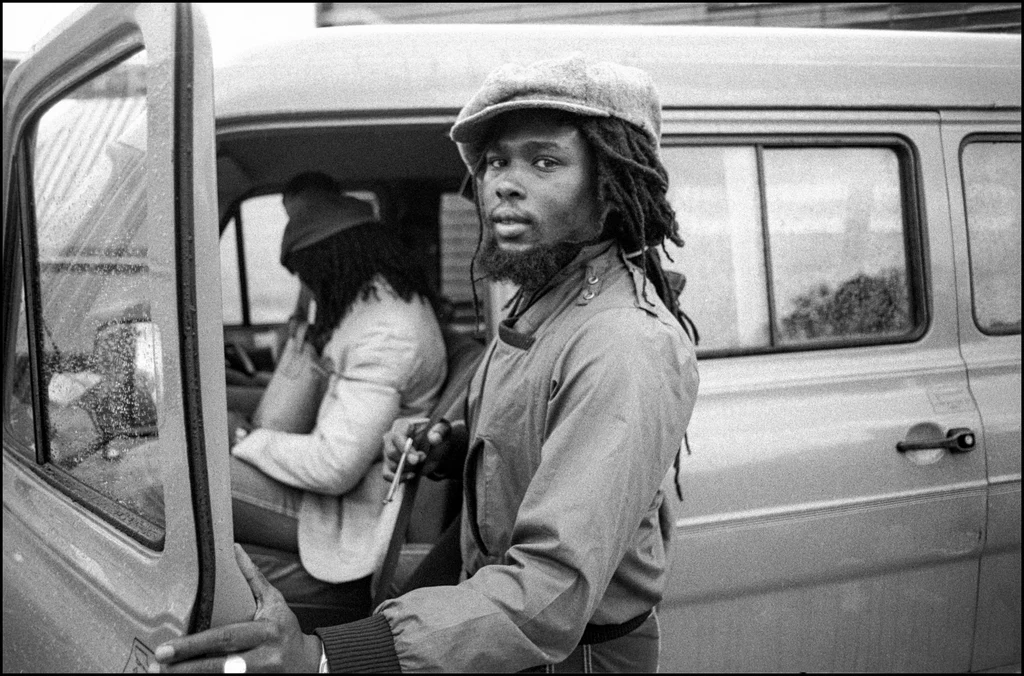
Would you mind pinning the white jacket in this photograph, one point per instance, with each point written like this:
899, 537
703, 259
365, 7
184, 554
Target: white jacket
387, 360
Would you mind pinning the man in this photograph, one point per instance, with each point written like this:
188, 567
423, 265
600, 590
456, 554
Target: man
574, 416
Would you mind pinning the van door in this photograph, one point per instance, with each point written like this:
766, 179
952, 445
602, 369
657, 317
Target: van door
983, 172
116, 520
833, 493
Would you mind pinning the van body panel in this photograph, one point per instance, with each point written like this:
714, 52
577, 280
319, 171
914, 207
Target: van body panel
798, 512
994, 370
730, 67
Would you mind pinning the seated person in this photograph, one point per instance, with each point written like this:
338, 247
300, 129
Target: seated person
321, 494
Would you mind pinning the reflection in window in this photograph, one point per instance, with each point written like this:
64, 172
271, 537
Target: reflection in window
835, 223
992, 194
714, 191
101, 349
824, 259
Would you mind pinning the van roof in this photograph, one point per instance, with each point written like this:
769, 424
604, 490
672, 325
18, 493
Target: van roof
436, 68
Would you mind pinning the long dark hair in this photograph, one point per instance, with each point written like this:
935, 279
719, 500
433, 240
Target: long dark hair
342, 268
632, 179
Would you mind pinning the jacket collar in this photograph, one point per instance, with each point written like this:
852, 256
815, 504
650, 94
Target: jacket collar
527, 315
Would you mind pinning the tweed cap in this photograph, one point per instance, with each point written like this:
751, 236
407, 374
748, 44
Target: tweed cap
315, 215
575, 84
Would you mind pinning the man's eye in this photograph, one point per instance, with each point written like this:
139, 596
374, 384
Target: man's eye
495, 162
545, 163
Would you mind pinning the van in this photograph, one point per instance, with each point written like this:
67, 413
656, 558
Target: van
850, 484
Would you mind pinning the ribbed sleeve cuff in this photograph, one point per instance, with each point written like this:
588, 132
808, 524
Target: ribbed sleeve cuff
364, 646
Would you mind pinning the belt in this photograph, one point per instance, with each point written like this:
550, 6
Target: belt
599, 633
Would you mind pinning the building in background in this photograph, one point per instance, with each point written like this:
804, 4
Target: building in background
989, 17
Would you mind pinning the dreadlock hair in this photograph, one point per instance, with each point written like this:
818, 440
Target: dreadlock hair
634, 182
342, 268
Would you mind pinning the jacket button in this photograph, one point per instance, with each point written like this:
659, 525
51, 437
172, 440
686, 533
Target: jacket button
589, 295
593, 279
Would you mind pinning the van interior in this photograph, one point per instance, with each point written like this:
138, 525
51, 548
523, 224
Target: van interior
414, 176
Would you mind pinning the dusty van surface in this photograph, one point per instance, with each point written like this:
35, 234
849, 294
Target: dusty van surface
850, 203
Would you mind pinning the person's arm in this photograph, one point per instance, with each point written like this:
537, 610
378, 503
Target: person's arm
614, 426
359, 407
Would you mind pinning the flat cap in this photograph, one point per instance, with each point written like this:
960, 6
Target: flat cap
315, 215
574, 83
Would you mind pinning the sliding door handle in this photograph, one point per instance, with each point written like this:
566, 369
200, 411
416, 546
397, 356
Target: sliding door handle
958, 440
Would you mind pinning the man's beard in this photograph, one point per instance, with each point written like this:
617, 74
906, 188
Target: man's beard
529, 269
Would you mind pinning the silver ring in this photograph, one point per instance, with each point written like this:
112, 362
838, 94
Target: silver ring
235, 664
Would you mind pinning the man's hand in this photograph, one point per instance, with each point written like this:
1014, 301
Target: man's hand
272, 641
439, 439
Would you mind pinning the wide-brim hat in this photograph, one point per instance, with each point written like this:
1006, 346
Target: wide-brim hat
574, 84
317, 215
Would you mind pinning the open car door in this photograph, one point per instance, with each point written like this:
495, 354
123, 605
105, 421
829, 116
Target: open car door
116, 522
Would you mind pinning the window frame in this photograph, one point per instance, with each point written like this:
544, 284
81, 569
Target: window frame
914, 231
120, 517
969, 139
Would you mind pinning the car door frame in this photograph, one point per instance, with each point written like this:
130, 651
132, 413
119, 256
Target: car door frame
63, 562
993, 363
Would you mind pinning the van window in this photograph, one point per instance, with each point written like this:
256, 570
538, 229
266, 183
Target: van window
272, 291
92, 281
460, 232
790, 247
991, 174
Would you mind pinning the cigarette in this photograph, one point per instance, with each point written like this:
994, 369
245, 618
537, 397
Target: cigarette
398, 470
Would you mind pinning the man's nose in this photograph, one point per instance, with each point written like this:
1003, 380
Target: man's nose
508, 186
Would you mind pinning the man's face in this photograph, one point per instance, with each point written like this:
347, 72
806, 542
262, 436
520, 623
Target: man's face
539, 197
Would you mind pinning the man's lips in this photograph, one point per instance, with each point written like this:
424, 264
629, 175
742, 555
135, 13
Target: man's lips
509, 229
509, 225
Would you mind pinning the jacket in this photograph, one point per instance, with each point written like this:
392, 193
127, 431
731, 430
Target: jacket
575, 417
387, 360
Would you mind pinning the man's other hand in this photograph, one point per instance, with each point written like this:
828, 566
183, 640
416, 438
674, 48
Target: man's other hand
438, 439
272, 641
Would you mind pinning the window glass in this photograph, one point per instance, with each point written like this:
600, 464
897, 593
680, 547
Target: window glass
992, 194
95, 286
789, 245
272, 289
20, 416
714, 190
835, 223
460, 231
230, 283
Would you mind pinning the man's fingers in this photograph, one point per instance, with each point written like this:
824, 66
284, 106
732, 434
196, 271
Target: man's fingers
259, 585
232, 638
209, 665
439, 432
